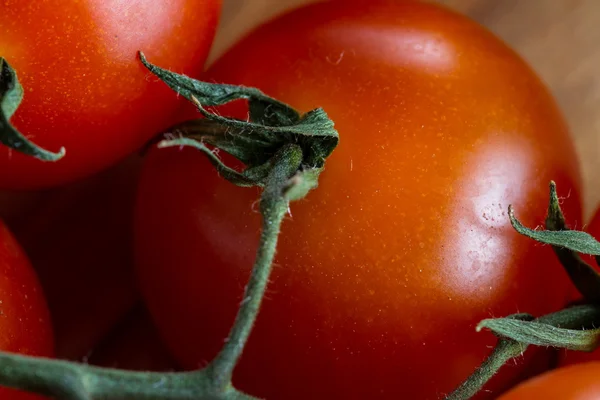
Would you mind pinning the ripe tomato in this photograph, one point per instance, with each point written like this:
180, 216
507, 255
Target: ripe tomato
25, 325
576, 382
85, 89
383, 271
79, 239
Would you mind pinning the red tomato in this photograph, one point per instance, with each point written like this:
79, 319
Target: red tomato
25, 325
577, 382
79, 240
85, 89
382, 272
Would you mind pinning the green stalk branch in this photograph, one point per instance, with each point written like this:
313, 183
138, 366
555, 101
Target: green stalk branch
273, 206
571, 328
504, 351
66, 380
43, 376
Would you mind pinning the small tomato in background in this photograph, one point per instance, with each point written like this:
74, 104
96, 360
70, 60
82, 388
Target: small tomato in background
25, 325
381, 273
79, 239
575, 382
85, 88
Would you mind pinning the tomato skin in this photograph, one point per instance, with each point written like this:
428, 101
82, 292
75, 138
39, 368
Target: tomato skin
576, 382
382, 272
25, 325
85, 89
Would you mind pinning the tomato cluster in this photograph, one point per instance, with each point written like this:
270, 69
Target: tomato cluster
381, 274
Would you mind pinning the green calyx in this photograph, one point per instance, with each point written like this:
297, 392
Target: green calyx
11, 95
271, 125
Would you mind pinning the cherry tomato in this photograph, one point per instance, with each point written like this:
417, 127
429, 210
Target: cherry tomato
85, 89
79, 240
25, 325
384, 270
576, 382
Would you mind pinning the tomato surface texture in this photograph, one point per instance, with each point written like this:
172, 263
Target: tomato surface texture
384, 270
576, 382
85, 89
25, 325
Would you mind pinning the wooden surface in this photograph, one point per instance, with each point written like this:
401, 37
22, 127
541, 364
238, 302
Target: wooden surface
559, 38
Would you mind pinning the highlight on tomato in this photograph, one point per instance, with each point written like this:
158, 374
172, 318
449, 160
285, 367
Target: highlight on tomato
575, 382
25, 325
84, 87
381, 274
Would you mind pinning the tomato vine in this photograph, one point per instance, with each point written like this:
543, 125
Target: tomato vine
283, 152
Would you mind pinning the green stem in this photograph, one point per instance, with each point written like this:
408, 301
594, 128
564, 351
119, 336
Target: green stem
43, 376
71, 381
585, 278
66, 380
569, 328
273, 205
505, 350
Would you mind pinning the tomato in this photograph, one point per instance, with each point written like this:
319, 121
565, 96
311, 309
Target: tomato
25, 325
79, 240
577, 382
383, 272
85, 88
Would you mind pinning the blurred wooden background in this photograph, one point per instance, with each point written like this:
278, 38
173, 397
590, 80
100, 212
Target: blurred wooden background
559, 38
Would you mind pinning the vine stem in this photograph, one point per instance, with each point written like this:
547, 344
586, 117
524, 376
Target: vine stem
273, 206
504, 351
24, 372
72, 381
66, 380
